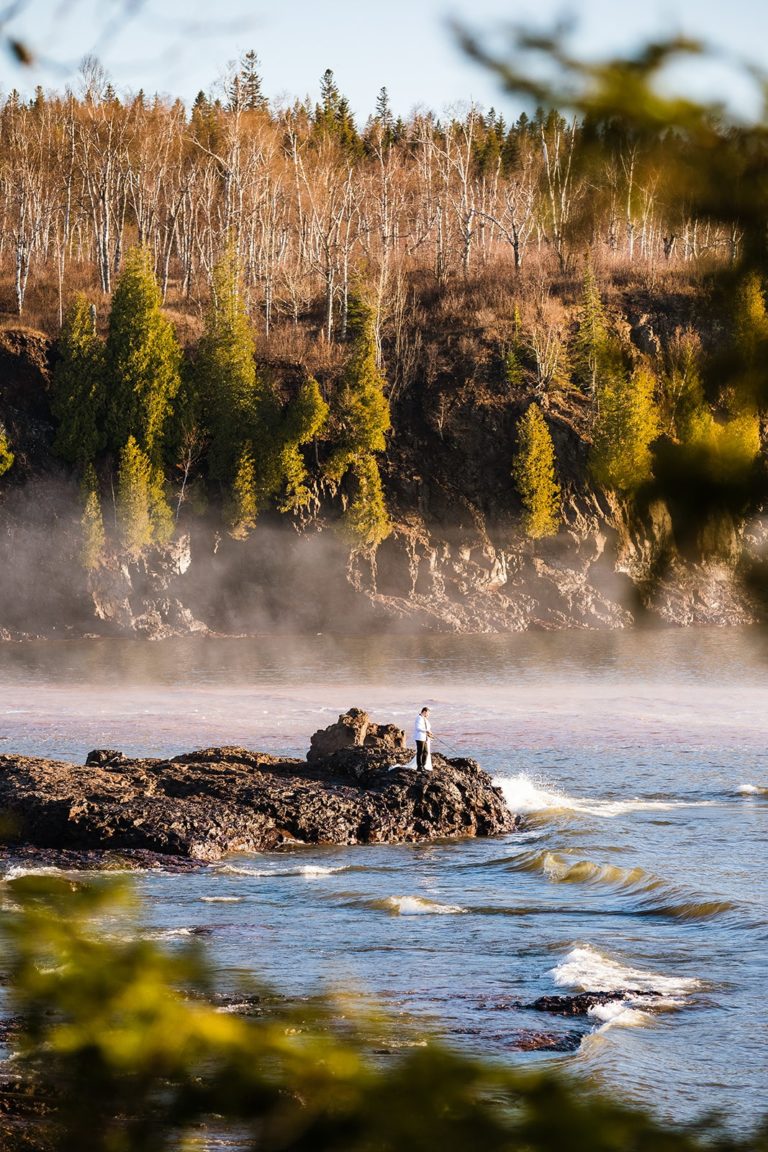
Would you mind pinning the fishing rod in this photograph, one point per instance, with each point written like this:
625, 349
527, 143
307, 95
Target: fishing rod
449, 747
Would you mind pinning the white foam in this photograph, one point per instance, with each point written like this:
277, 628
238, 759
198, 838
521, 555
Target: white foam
751, 790
18, 870
420, 906
525, 797
307, 871
166, 933
620, 1013
589, 970
221, 899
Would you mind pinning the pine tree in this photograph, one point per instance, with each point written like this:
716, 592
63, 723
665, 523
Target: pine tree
626, 423
363, 419
750, 320
683, 390
362, 409
367, 518
243, 506
535, 477
591, 346
91, 523
78, 398
333, 117
134, 482
6, 456
304, 419
143, 359
226, 371
251, 94
160, 513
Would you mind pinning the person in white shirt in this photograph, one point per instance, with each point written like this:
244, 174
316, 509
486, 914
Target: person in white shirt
422, 734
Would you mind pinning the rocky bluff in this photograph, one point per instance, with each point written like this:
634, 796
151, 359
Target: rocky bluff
353, 788
457, 559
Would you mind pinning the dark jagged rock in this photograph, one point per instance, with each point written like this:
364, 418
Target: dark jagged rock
531, 1041
354, 729
581, 1003
203, 805
104, 757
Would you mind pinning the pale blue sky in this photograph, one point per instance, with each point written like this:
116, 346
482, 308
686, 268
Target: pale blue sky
179, 46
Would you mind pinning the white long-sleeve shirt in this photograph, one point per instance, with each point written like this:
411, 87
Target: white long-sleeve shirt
421, 730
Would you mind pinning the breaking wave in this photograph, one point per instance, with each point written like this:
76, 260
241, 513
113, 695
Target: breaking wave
752, 790
645, 993
525, 797
654, 896
16, 871
587, 969
416, 906
307, 871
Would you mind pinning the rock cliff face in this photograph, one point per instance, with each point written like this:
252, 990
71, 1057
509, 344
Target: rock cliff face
456, 561
203, 805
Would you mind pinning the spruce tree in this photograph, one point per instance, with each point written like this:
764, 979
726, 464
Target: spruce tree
78, 396
362, 419
535, 476
143, 359
362, 410
6, 456
243, 505
626, 422
226, 371
303, 420
251, 95
367, 518
160, 512
134, 483
591, 346
750, 320
91, 523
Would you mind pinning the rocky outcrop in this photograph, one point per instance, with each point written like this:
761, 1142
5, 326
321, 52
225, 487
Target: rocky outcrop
203, 805
137, 595
354, 729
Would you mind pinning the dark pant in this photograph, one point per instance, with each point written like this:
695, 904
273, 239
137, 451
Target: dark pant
421, 753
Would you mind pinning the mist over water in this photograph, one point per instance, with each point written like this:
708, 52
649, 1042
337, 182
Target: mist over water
638, 760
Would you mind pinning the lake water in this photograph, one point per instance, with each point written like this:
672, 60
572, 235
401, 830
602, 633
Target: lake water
638, 760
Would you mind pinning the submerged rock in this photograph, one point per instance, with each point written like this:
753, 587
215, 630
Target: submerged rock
203, 805
582, 1003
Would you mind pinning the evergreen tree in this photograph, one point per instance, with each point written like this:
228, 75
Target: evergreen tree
251, 94
134, 484
143, 359
333, 116
243, 505
303, 420
363, 419
591, 348
750, 320
226, 371
367, 517
683, 389
383, 113
6, 456
91, 522
514, 371
78, 397
626, 422
160, 513
535, 476
362, 410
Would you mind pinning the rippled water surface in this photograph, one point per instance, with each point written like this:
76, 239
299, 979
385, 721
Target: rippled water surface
638, 760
